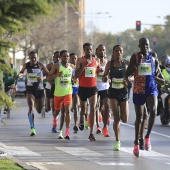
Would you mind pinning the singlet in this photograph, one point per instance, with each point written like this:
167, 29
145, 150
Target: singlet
101, 85
117, 75
144, 76
63, 85
32, 72
88, 78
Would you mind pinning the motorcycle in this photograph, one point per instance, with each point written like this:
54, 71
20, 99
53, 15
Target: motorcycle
163, 108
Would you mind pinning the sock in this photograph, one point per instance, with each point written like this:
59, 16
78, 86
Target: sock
60, 133
54, 123
30, 117
67, 131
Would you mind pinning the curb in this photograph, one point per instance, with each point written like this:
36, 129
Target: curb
23, 164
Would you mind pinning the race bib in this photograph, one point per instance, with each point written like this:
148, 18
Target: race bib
64, 82
117, 83
145, 69
90, 72
99, 76
32, 77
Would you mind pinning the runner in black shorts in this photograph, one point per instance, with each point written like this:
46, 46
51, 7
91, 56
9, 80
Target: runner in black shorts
34, 87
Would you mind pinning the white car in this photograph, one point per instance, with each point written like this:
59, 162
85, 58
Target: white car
20, 86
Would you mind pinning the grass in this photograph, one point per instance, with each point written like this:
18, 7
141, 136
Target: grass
8, 164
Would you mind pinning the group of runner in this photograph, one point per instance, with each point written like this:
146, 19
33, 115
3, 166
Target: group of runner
92, 80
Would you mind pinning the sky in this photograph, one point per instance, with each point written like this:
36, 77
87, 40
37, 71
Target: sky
116, 16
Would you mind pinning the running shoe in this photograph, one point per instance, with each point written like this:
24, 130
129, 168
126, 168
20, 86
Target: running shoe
54, 130
105, 132
148, 144
91, 137
67, 137
67, 134
86, 124
33, 132
75, 129
141, 144
2, 154
98, 131
81, 125
5, 111
117, 146
136, 150
60, 136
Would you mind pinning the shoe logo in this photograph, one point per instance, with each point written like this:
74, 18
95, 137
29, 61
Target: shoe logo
120, 68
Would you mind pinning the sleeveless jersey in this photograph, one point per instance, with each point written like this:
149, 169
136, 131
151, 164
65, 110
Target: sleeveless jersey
117, 75
144, 76
63, 84
32, 73
88, 78
101, 85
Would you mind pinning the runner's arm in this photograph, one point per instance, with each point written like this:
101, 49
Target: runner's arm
53, 73
159, 78
131, 67
21, 72
106, 72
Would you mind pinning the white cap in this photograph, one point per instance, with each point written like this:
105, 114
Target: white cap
168, 61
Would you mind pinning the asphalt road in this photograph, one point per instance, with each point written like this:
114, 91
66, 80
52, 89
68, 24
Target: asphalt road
46, 152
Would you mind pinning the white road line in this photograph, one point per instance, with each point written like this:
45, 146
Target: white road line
89, 155
160, 134
40, 165
17, 150
145, 153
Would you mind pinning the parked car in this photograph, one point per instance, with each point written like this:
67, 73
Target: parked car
20, 86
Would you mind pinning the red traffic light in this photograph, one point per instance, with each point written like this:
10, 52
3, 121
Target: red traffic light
138, 25
154, 39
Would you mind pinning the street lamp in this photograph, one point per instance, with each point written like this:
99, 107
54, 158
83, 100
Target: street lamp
96, 15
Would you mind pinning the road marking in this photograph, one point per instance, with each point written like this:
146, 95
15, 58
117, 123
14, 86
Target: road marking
145, 153
40, 165
17, 150
160, 134
89, 155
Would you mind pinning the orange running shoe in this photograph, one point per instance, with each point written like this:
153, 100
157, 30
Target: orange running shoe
105, 132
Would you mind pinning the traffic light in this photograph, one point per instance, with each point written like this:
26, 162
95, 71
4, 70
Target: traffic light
154, 41
138, 25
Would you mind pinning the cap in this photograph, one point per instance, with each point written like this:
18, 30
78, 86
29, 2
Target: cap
168, 61
164, 57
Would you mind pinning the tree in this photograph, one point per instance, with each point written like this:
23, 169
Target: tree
13, 16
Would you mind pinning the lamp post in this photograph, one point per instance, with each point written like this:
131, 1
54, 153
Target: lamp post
96, 15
